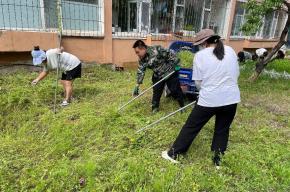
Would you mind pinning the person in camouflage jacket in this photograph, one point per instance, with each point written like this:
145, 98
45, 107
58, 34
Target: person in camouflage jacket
162, 62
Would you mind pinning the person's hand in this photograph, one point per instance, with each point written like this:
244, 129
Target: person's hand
136, 91
34, 82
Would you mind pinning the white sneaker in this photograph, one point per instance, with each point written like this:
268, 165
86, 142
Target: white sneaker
64, 103
165, 155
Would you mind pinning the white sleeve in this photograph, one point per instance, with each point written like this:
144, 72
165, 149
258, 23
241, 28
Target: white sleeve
196, 72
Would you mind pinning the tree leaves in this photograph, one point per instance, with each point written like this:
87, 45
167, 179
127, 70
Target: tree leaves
256, 11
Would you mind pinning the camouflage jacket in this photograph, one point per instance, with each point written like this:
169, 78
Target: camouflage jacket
162, 61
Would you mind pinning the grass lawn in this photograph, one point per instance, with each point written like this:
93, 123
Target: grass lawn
40, 151
280, 65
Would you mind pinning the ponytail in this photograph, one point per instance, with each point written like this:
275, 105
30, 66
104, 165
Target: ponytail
219, 50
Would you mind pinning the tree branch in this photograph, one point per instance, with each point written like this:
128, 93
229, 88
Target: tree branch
282, 40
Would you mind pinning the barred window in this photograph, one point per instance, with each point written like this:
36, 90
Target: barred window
209, 14
78, 17
271, 27
18, 14
239, 19
81, 16
136, 18
131, 18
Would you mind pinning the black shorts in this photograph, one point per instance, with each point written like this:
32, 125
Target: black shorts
72, 74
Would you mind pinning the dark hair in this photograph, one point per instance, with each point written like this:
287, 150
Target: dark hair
139, 44
265, 54
219, 50
254, 57
241, 56
280, 55
36, 48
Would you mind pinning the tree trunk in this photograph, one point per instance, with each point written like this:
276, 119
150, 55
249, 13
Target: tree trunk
261, 64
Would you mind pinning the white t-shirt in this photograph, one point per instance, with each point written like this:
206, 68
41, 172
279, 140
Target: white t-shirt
260, 52
67, 61
219, 86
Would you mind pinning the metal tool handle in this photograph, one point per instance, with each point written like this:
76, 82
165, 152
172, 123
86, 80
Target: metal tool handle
163, 118
59, 18
133, 99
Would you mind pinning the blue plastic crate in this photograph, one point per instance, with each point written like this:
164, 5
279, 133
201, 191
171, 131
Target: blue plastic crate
185, 79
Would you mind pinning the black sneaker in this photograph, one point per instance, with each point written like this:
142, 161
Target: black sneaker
217, 160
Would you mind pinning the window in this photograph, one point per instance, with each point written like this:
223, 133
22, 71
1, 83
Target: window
192, 21
120, 14
51, 14
131, 17
218, 12
79, 17
209, 14
182, 17
282, 18
162, 16
268, 25
238, 20
271, 26
82, 16
206, 14
178, 21
168, 16
18, 14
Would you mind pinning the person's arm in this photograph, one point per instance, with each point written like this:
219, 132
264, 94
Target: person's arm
141, 73
41, 76
140, 77
196, 73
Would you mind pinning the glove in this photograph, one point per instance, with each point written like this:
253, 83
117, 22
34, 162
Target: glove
34, 82
177, 68
136, 91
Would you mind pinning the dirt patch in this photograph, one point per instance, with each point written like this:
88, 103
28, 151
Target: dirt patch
277, 109
8, 69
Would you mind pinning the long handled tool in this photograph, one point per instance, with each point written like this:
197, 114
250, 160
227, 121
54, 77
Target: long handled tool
163, 118
59, 18
133, 99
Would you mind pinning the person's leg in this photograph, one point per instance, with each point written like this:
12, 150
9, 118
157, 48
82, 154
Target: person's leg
62, 83
224, 118
196, 120
68, 87
173, 85
157, 93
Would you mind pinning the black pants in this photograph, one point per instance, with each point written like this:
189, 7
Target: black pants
197, 119
173, 85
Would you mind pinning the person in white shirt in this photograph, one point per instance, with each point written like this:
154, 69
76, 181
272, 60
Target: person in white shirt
52, 59
244, 56
215, 72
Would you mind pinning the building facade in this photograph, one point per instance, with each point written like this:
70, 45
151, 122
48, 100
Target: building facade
103, 31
